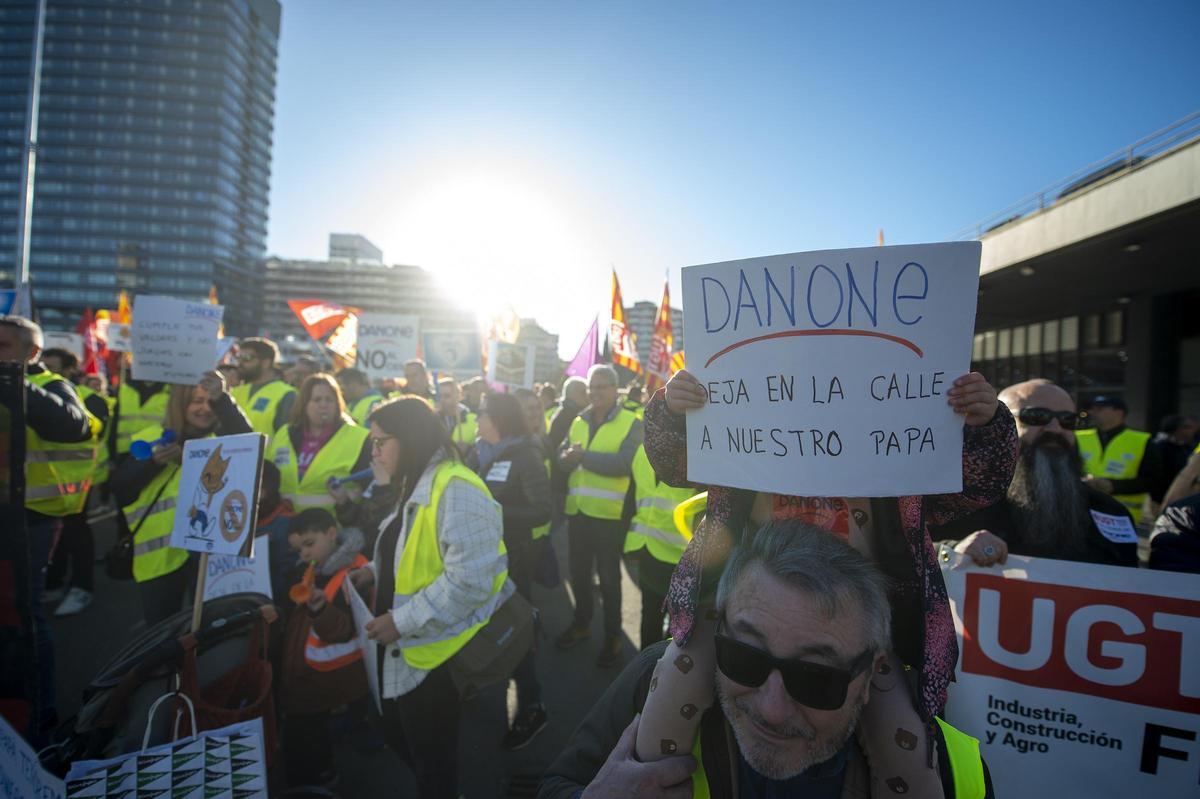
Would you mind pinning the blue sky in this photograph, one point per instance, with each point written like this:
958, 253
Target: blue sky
519, 150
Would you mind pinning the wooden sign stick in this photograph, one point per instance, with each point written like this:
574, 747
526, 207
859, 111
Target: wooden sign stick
198, 600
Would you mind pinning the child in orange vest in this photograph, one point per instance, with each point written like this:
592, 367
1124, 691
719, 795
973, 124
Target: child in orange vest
322, 669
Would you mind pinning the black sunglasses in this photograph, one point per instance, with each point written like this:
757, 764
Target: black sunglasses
814, 685
1040, 417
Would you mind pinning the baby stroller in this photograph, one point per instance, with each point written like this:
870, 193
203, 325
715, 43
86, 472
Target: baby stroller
223, 668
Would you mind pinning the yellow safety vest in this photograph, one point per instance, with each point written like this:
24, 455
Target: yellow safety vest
135, 416
637, 409
421, 563
260, 408
58, 476
362, 409
152, 556
463, 434
335, 459
597, 495
653, 526
544, 530
1120, 460
101, 469
962, 751
549, 417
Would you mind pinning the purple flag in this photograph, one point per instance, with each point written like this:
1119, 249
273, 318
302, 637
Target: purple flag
587, 357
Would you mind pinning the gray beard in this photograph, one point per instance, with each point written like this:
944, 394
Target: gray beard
1049, 500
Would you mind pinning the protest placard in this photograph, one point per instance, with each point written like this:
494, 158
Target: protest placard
21, 773
231, 574
370, 650
385, 342
455, 352
218, 494
120, 337
510, 365
1078, 679
57, 339
174, 341
827, 371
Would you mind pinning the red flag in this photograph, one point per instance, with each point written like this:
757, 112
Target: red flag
87, 329
335, 326
621, 338
658, 366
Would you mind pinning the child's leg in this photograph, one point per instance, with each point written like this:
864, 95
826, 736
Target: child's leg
680, 691
895, 741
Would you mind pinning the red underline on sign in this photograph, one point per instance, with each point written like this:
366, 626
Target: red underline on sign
835, 332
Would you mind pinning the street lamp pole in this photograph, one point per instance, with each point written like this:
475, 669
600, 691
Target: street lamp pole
24, 301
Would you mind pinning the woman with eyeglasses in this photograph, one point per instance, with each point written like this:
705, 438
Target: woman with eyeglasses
319, 442
147, 490
509, 460
440, 571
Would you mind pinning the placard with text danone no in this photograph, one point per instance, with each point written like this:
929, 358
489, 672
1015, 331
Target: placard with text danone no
827, 372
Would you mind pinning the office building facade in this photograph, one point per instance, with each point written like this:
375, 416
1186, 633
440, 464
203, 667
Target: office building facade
154, 150
641, 317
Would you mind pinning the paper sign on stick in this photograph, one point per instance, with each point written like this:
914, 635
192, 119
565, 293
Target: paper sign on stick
510, 365
827, 371
174, 341
385, 342
230, 574
1077, 679
217, 506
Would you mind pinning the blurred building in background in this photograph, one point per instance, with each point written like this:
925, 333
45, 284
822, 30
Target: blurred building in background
640, 316
154, 150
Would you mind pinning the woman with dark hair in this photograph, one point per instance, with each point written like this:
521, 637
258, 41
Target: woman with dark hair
510, 461
320, 441
147, 490
440, 573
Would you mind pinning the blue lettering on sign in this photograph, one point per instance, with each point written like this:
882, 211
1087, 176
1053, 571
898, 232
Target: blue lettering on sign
261, 404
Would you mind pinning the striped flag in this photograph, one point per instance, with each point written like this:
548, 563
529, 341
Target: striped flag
620, 337
658, 366
677, 362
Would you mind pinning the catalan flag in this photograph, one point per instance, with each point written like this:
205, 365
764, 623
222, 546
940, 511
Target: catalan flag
658, 366
620, 337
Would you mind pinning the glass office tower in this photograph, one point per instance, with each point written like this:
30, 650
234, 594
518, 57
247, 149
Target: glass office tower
154, 150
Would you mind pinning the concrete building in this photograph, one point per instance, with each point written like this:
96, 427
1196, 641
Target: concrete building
547, 366
641, 315
154, 151
370, 285
1094, 282
353, 247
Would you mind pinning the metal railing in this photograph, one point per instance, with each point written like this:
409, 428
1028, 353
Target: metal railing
1120, 162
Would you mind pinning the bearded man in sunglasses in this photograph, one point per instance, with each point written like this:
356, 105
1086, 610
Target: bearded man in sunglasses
804, 630
1049, 510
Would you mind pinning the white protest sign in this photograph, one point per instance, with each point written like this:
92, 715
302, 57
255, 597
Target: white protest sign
510, 365
230, 574
827, 371
174, 341
1078, 679
370, 650
120, 337
385, 342
217, 503
21, 773
56, 339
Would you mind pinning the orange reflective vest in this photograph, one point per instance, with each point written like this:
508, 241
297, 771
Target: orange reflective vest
324, 656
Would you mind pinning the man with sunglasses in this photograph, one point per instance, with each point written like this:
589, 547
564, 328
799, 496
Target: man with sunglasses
266, 400
804, 632
1049, 510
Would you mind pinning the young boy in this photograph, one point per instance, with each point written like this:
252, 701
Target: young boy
321, 665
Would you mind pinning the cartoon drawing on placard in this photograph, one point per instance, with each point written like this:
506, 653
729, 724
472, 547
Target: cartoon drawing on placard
212, 480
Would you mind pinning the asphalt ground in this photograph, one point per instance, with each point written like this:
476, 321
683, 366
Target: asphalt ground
571, 683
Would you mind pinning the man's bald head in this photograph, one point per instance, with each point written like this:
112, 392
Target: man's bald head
1039, 393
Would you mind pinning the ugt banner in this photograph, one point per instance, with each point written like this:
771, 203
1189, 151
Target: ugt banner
1078, 680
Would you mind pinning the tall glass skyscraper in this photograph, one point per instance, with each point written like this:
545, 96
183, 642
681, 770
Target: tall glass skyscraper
154, 150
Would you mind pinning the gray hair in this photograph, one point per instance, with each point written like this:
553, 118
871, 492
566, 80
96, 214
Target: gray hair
28, 331
604, 369
827, 569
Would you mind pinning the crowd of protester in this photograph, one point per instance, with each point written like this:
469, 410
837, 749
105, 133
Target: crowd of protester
436, 501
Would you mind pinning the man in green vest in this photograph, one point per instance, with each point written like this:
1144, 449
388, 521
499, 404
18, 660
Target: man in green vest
265, 399
360, 397
598, 457
803, 626
1116, 459
460, 421
55, 420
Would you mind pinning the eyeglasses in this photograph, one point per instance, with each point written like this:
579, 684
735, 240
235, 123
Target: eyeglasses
1040, 417
247, 356
814, 685
378, 442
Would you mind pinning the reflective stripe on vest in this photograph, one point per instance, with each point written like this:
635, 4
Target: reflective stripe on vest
653, 526
153, 556
420, 563
260, 407
966, 766
58, 476
336, 458
329, 656
1120, 460
596, 495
